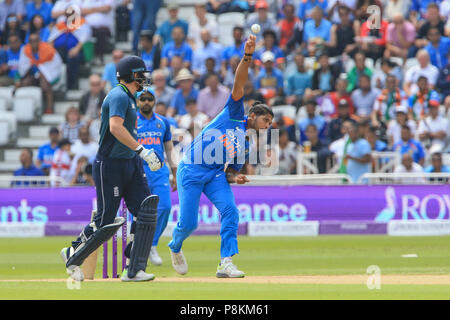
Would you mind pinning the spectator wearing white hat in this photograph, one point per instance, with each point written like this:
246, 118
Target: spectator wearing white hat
185, 91
270, 80
394, 129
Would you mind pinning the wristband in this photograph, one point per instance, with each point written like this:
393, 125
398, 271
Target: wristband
248, 54
139, 149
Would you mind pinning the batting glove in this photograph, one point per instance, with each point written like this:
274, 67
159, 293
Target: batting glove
151, 157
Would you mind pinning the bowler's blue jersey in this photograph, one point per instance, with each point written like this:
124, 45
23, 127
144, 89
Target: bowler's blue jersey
152, 134
222, 141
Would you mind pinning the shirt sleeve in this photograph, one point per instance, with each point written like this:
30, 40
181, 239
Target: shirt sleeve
167, 133
236, 108
118, 106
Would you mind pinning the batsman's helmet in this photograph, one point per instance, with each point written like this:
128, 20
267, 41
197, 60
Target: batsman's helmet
132, 68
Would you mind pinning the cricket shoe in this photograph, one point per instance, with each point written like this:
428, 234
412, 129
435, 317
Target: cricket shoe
179, 262
140, 276
228, 270
75, 272
154, 257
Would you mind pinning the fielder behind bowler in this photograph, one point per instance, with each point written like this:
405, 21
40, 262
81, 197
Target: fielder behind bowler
154, 132
118, 172
211, 163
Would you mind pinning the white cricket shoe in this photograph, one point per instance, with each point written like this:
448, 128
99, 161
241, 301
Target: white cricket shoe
75, 272
179, 262
228, 270
140, 276
154, 257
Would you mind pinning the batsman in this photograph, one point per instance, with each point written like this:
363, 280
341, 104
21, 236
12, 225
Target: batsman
118, 173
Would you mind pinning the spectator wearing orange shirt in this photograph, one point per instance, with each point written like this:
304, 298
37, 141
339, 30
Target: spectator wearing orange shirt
286, 26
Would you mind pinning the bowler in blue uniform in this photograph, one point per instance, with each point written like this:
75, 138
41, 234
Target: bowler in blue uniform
153, 132
211, 163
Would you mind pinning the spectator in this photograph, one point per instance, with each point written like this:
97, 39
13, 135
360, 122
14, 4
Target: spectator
201, 22
420, 102
287, 159
433, 130
364, 97
163, 93
358, 70
358, 158
423, 9
387, 68
361, 12
99, 15
343, 115
223, 6
109, 78
60, 169
83, 173
312, 118
306, 8
40, 65
12, 27
409, 166
60, 7
393, 7
443, 82
213, 97
432, 20
185, 91
72, 125
287, 26
39, 7
424, 68
94, 127
68, 39
83, 147
251, 95
91, 101
47, 150
161, 108
193, 120
28, 169
270, 79
317, 32
37, 25
11, 7
177, 47
299, 82
400, 36
438, 48
270, 44
410, 146
437, 166
165, 34
231, 72
175, 67
395, 125
237, 49
151, 54
9, 70
210, 49
262, 18
330, 103
319, 146
144, 15
385, 106
444, 8
324, 78
375, 143
342, 35
372, 41
210, 67
339, 147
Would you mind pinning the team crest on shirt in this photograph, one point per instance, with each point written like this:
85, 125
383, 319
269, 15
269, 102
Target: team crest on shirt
158, 125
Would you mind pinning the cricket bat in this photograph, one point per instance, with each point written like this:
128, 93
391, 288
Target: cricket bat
90, 263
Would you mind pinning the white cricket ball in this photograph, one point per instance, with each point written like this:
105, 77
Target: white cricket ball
256, 28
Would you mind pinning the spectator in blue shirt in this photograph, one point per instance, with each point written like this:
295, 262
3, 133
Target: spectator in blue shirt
270, 80
298, 82
312, 118
12, 59
437, 166
144, 15
409, 145
438, 48
109, 73
358, 154
149, 53
375, 143
28, 169
46, 151
317, 32
178, 47
210, 49
419, 8
37, 25
41, 7
237, 49
305, 8
185, 91
164, 33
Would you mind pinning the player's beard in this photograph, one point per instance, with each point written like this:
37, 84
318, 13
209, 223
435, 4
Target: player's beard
146, 109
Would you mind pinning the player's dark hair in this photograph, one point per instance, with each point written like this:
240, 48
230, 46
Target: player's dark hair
260, 109
191, 101
406, 127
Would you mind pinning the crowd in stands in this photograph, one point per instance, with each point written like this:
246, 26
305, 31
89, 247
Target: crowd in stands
359, 84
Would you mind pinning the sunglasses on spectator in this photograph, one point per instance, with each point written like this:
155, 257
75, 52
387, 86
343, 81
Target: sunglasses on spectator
149, 99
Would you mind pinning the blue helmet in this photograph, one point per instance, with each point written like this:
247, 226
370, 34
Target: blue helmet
145, 90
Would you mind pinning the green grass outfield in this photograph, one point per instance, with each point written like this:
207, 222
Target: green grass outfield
264, 259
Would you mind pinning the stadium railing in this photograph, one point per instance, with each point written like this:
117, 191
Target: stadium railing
31, 182
289, 180
405, 178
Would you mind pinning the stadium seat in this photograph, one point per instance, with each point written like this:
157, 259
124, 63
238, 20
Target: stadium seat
252, 15
411, 62
24, 109
6, 93
4, 105
227, 21
31, 92
285, 110
10, 117
397, 60
4, 132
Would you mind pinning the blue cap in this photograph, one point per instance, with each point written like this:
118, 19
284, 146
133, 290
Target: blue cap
146, 89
